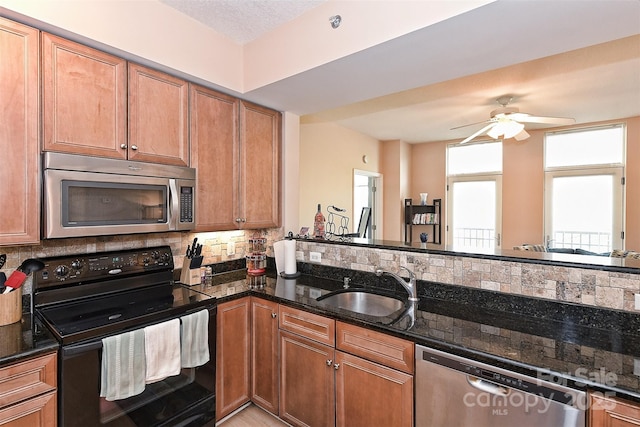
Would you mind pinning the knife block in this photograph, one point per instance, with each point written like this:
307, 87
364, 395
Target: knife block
189, 276
11, 307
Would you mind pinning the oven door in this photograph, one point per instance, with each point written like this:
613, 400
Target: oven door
175, 401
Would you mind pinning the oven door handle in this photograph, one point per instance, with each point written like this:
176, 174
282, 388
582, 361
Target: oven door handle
74, 350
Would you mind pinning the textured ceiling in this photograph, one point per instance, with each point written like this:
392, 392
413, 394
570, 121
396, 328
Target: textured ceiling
243, 20
558, 58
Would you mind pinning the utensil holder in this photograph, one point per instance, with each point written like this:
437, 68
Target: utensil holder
11, 307
189, 276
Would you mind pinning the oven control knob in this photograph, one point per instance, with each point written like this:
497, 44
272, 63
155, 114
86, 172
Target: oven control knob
155, 254
62, 271
77, 264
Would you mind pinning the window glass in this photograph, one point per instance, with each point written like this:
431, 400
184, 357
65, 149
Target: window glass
474, 158
595, 146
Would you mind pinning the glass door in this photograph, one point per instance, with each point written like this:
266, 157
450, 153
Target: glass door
474, 209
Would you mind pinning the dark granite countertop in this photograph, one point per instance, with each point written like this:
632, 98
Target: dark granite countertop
25, 339
575, 345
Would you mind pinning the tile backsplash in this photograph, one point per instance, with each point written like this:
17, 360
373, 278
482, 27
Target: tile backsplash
606, 289
214, 247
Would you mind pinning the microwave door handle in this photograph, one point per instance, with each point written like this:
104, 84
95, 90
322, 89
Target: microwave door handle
174, 205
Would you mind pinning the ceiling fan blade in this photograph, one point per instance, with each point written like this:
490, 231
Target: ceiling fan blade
480, 132
471, 124
525, 118
522, 135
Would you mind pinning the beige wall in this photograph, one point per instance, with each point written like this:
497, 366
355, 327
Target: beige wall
429, 176
328, 155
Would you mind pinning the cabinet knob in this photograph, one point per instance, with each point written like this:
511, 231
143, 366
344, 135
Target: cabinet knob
134, 147
336, 366
123, 146
329, 362
273, 315
238, 219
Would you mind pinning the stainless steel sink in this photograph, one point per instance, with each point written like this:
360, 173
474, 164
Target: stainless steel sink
363, 301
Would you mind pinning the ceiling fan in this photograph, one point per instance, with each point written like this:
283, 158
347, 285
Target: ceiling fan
508, 122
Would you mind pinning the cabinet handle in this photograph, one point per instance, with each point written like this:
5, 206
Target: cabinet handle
329, 362
123, 146
134, 147
336, 366
273, 315
238, 219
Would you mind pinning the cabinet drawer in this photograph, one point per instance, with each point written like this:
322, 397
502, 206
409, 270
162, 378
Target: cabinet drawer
375, 346
27, 379
309, 325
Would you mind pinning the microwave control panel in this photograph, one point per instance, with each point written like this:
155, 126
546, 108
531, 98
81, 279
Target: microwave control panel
186, 204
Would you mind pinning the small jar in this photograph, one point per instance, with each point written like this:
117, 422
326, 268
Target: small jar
257, 245
256, 264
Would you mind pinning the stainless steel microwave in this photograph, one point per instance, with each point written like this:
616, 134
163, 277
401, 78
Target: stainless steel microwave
93, 196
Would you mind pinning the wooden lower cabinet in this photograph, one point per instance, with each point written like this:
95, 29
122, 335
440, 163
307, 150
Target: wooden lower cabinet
309, 369
612, 412
265, 354
307, 381
28, 393
232, 358
369, 394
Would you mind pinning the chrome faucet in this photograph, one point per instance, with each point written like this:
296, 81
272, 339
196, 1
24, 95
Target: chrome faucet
410, 285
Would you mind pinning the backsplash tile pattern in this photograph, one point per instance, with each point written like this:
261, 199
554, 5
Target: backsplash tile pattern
214, 246
606, 289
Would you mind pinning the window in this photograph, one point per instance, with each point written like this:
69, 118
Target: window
584, 194
474, 202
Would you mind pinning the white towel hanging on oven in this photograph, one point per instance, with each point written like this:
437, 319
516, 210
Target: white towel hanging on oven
162, 350
195, 339
123, 365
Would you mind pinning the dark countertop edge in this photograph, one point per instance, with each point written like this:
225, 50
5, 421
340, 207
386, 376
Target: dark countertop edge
494, 360
22, 356
43, 342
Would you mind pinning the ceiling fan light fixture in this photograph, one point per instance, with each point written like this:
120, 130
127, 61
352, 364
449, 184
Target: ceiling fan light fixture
512, 129
506, 128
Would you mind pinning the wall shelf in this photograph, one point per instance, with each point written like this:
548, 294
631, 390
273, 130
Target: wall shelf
423, 216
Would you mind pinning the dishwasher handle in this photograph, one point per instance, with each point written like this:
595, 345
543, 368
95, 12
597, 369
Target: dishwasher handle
486, 386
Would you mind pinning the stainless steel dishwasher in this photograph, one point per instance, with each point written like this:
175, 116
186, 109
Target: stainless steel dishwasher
454, 391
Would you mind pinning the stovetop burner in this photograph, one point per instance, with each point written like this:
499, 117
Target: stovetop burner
88, 296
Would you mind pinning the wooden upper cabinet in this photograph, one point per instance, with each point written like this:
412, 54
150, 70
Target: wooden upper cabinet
260, 154
236, 150
19, 134
84, 99
214, 154
158, 117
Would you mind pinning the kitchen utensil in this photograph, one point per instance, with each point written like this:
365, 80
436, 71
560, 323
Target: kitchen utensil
19, 276
31, 265
3, 279
196, 262
3, 259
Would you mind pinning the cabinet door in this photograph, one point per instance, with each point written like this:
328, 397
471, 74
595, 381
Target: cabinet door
260, 193
369, 394
264, 354
84, 99
610, 412
306, 382
36, 412
158, 114
232, 359
214, 154
20, 219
